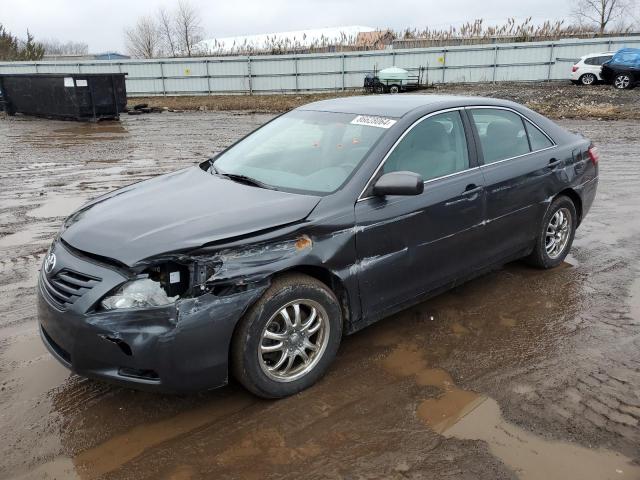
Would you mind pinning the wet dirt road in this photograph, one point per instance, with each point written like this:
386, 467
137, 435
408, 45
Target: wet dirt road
520, 374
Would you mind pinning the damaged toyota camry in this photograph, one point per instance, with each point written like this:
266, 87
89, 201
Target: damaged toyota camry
256, 262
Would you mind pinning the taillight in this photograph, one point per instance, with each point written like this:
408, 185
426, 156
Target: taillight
593, 154
574, 68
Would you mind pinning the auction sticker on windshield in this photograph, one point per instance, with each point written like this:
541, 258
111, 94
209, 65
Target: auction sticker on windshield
371, 121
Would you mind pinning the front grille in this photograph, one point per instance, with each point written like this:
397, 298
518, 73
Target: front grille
67, 286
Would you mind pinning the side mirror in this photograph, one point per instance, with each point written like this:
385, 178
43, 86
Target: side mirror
399, 183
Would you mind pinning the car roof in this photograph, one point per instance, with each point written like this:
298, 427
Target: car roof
597, 54
398, 105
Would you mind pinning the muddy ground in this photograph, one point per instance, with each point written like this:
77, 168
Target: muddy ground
555, 99
520, 374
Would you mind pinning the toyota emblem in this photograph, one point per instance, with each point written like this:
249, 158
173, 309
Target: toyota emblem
50, 263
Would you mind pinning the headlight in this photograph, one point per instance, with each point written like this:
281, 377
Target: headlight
140, 293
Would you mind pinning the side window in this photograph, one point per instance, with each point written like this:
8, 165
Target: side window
537, 139
591, 60
604, 59
502, 134
435, 147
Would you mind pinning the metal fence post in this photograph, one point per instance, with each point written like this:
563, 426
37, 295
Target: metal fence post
343, 59
495, 63
249, 74
164, 88
206, 64
444, 63
295, 69
550, 62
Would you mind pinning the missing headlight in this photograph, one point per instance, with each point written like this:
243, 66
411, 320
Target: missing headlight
172, 276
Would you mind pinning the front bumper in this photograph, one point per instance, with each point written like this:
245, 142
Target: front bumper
176, 348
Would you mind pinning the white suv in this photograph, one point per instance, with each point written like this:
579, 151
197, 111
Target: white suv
587, 70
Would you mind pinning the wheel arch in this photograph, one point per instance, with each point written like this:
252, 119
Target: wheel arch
332, 281
575, 198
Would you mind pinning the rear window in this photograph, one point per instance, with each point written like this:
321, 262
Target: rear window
505, 134
599, 60
502, 134
537, 139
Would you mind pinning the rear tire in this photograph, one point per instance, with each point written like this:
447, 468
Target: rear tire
394, 89
555, 234
588, 79
299, 318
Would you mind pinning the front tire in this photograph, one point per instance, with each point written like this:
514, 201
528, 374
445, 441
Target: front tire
623, 81
394, 89
555, 234
288, 338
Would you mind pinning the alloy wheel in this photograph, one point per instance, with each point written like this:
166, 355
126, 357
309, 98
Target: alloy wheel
622, 81
558, 233
293, 340
588, 79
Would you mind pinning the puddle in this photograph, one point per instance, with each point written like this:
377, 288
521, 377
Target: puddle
57, 206
269, 444
120, 449
466, 415
532, 457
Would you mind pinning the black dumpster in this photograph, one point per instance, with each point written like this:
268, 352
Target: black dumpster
87, 96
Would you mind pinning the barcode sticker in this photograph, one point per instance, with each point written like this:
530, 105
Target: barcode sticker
81, 83
174, 277
68, 82
372, 121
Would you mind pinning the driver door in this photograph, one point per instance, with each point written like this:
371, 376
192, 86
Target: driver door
410, 245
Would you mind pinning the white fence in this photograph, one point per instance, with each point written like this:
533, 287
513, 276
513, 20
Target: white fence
528, 61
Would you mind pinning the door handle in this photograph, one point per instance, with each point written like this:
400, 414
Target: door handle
553, 163
472, 188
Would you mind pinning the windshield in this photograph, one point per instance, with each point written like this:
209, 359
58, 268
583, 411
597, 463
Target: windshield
305, 151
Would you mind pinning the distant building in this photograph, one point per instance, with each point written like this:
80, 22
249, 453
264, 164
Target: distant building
299, 40
90, 56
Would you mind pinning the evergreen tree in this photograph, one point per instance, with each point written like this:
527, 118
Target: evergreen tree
12, 49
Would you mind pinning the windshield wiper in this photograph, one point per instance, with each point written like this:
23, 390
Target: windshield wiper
236, 177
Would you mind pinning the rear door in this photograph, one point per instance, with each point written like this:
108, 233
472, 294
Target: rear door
408, 245
517, 161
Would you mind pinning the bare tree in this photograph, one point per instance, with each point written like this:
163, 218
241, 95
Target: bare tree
143, 40
601, 12
56, 47
188, 27
166, 26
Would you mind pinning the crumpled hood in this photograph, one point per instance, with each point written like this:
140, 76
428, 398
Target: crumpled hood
176, 211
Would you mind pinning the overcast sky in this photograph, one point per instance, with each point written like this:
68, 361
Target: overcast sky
100, 23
